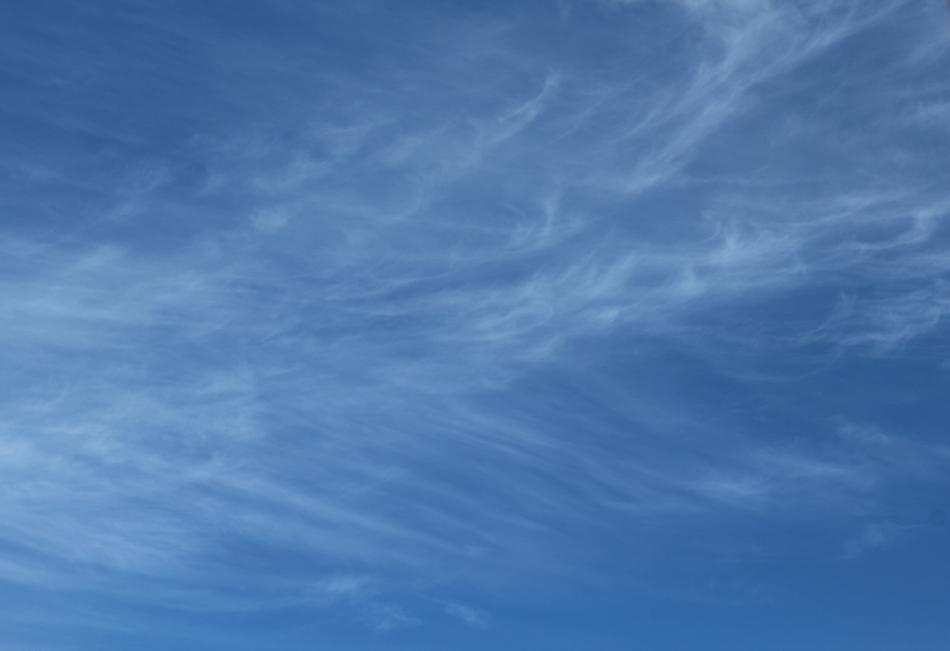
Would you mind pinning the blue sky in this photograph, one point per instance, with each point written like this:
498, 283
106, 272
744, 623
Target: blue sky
578, 324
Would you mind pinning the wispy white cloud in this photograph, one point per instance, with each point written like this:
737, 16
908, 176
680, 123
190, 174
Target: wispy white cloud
332, 347
467, 615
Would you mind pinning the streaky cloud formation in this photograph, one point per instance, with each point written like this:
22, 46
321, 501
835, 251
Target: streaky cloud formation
452, 325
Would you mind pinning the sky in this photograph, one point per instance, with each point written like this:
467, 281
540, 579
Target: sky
457, 324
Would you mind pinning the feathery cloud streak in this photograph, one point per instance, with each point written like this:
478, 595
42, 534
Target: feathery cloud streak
419, 308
